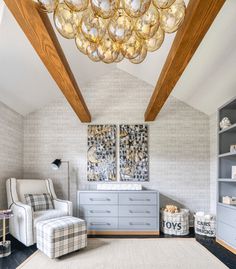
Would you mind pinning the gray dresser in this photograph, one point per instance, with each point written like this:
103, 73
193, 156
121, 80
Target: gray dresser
120, 212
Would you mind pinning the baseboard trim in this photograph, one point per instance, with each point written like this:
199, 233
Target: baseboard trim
225, 245
123, 232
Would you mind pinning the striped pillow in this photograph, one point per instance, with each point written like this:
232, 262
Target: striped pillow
39, 202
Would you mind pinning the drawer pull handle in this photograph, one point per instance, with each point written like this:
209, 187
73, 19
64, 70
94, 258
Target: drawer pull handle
100, 223
99, 211
139, 200
139, 212
99, 199
139, 223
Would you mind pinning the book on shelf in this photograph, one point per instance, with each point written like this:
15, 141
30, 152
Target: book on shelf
6, 213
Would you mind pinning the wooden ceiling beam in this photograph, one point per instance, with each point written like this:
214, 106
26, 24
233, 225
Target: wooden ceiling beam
39, 31
199, 16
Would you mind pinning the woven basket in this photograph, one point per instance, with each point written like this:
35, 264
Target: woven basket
175, 223
205, 226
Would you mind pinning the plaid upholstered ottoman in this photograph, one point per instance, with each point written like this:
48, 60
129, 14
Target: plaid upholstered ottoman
59, 236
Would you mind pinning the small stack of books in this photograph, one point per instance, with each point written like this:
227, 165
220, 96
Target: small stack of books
229, 200
6, 214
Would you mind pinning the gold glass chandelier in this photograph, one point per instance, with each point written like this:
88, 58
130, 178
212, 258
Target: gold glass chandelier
111, 30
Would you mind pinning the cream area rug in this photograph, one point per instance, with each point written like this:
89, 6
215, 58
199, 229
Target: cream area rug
156, 253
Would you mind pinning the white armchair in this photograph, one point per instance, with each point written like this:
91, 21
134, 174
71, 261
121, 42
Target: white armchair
22, 225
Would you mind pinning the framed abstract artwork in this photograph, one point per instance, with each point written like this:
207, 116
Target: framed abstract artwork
101, 154
133, 151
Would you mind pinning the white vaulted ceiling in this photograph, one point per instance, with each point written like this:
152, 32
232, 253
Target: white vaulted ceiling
208, 81
25, 84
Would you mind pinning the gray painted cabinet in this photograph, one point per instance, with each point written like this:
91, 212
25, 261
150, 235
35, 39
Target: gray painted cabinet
119, 212
226, 214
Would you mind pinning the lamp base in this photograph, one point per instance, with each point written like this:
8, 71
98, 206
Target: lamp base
5, 249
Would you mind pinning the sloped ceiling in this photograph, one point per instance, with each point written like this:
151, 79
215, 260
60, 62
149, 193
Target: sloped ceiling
208, 81
210, 78
25, 84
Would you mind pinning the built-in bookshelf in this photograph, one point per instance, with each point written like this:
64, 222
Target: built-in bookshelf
226, 185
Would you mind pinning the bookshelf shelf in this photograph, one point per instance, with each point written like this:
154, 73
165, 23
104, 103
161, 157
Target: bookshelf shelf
226, 186
231, 129
227, 180
228, 155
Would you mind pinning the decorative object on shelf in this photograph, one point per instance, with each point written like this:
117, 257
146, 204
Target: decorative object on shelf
225, 123
175, 223
119, 187
101, 155
233, 174
229, 200
233, 148
133, 152
205, 224
110, 30
5, 245
55, 165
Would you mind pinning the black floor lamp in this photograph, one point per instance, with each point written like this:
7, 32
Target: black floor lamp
56, 165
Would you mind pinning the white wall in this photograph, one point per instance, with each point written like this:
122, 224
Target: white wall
178, 140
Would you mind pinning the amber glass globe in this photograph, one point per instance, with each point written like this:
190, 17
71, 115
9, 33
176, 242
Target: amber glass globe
120, 27
132, 47
48, 5
156, 41
66, 21
93, 27
81, 42
136, 8
111, 30
105, 8
172, 17
119, 58
147, 25
108, 50
77, 5
92, 52
141, 57
163, 3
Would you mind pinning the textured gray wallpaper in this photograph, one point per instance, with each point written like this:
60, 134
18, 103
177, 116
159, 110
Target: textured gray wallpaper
11, 149
213, 161
179, 140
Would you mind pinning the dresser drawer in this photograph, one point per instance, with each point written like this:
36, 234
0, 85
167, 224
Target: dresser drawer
141, 224
101, 198
226, 233
98, 210
138, 198
226, 215
137, 211
102, 223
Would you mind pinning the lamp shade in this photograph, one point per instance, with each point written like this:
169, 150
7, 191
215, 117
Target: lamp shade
55, 165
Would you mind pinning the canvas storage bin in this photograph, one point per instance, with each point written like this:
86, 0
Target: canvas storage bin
175, 223
205, 225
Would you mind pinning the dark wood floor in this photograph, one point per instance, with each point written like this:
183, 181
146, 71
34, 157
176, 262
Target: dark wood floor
21, 252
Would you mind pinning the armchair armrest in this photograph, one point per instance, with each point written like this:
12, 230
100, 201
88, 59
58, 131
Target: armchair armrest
63, 205
21, 225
